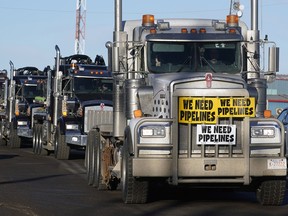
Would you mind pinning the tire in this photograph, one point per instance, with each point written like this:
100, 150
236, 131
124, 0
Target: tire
134, 191
3, 142
40, 149
271, 192
95, 157
35, 138
62, 150
14, 139
88, 158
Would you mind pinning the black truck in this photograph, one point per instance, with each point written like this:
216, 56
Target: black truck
76, 87
25, 88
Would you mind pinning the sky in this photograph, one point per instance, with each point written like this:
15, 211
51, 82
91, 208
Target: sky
30, 29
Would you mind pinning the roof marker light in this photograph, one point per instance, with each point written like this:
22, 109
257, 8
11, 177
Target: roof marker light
193, 31
184, 30
232, 31
202, 30
153, 31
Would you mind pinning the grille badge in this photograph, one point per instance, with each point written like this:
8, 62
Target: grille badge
208, 78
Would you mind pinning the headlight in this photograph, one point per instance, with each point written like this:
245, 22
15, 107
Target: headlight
155, 131
22, 123
72, 127
262, 132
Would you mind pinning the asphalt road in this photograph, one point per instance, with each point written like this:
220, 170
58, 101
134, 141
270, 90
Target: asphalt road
37, 185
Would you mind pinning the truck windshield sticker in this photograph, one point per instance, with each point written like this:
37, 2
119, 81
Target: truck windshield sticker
216, 134
207, 110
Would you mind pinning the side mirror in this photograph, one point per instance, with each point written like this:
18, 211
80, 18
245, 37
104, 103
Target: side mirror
284, 121
273, 65
109, 46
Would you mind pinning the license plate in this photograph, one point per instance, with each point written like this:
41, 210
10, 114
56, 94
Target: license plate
279, 163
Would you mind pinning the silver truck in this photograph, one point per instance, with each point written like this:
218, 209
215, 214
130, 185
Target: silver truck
189, 109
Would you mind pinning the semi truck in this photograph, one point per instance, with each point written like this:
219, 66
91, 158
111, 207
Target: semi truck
76, 86
189, 109
23, 86
3, 100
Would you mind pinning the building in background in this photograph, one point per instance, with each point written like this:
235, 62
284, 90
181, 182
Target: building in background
277, 94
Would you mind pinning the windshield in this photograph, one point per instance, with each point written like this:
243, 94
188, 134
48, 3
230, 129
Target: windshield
92, 85
166, 57
32, 90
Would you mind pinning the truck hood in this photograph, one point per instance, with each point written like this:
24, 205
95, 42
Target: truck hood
163, 81
93, 99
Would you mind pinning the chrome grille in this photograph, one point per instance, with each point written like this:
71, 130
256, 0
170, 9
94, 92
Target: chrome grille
97, 117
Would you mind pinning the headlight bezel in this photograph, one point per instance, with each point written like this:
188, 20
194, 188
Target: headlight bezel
72, 127
153, 131
22, 123
262, 132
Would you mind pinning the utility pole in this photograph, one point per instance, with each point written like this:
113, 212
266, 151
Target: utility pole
80, 27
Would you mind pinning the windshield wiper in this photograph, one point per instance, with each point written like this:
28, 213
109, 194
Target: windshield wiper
202, 58
187, 61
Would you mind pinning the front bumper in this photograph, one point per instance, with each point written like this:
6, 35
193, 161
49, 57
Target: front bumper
208, 170
76, 139
25, 132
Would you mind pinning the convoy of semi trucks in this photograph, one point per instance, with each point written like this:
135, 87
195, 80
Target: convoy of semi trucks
181, 102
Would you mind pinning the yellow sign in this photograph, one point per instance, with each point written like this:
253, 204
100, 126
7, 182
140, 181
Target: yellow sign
207, 110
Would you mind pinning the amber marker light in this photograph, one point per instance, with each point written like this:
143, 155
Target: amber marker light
193, 31
232, 20
184, 30
232, 31
153, 31
137, 113
147, 20
202, 30
267, 114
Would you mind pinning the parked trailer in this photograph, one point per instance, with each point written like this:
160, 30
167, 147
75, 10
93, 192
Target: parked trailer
183, 118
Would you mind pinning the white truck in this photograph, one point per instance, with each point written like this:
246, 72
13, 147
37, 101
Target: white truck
189, 108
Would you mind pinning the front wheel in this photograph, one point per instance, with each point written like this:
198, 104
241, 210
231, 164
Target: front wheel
62, 150
35, 138
40, 149
2, 140
271, 192
95, 177
14, 139
134, 191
